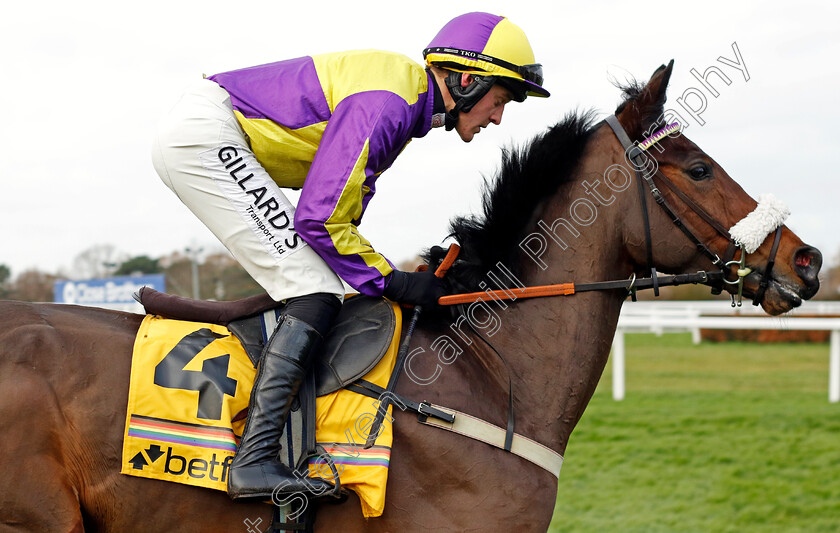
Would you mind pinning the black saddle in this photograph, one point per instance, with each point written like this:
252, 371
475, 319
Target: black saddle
358, 340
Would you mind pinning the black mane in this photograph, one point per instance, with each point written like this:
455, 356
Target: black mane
528, 175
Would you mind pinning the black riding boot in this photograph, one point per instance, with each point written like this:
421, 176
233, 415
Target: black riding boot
255, 471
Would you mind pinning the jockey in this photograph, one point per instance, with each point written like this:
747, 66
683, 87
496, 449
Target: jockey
329, 124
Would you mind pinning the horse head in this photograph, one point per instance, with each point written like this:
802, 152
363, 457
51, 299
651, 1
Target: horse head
578, 203
719, 204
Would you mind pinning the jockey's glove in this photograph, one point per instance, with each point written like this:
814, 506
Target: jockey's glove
415, 288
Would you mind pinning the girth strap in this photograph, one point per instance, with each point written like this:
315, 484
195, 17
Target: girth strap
470, 426
478, 429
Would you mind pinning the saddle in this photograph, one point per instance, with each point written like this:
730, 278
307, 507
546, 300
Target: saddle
358, 340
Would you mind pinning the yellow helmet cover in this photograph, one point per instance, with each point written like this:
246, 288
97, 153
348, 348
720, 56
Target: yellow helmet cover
489, 45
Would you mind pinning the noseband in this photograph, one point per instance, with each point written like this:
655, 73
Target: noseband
741, 236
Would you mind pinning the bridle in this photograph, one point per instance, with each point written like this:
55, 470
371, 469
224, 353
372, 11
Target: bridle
746, 236
637, 156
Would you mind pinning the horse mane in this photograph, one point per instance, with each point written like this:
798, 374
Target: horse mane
528, 175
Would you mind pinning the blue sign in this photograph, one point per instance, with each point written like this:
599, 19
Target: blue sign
112, 293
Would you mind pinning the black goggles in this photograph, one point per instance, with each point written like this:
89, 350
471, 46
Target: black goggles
532, 73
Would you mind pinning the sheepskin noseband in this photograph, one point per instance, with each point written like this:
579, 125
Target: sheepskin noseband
751, 231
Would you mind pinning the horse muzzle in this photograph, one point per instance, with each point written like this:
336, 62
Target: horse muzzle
807, 262
786, 291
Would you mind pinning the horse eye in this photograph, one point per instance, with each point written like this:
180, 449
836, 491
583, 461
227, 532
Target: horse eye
700, 172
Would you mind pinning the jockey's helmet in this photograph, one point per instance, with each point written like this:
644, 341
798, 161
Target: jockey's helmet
493, 50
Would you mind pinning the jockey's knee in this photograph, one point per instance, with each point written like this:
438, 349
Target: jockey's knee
318, 310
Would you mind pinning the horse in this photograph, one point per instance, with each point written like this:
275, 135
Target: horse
560, 209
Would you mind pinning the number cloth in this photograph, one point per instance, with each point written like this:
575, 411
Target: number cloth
189, 381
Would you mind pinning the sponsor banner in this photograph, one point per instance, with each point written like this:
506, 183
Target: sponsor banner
110, 293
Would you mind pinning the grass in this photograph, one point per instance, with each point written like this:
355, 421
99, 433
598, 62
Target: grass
710, 438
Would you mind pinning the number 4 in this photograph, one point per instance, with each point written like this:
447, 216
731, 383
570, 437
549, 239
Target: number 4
212, 382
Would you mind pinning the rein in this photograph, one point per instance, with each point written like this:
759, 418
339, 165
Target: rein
567, 289
739, 237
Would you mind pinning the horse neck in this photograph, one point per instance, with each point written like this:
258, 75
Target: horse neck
557, 347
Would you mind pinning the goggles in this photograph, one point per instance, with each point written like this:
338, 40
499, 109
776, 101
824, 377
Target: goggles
532, 73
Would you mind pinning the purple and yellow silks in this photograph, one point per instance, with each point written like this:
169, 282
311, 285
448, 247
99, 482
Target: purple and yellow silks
332, 124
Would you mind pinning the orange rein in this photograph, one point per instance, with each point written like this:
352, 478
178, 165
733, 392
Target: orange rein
448, 261
560, 289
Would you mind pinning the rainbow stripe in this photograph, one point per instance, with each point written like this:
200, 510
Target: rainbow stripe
158, 429
354, 455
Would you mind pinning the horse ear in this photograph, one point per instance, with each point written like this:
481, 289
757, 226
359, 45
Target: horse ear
644, 105
658, 84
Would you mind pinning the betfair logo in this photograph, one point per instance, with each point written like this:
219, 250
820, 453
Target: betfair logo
177, 465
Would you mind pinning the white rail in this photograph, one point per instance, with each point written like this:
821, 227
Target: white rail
689, 317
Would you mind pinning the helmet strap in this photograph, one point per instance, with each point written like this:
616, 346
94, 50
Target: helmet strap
465, 97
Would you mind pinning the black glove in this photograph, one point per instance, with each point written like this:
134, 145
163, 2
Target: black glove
415, 288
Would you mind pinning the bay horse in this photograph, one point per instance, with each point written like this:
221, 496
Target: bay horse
64, 370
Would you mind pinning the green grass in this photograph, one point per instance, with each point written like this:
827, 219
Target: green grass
710, 438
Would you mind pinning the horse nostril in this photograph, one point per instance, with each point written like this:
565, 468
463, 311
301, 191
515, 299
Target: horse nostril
807, 262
